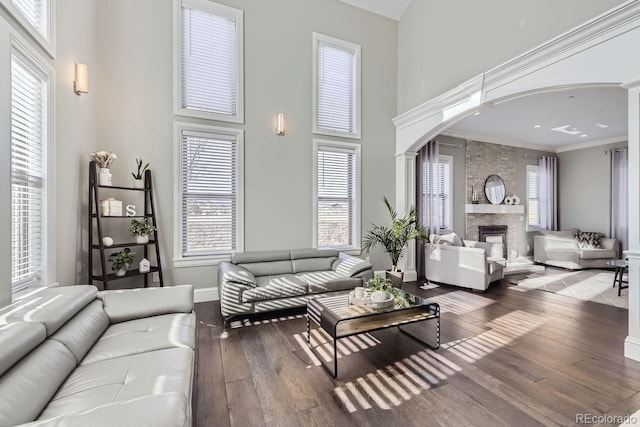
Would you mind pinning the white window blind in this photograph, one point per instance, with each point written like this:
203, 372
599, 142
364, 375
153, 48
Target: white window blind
28, 169
337, 86
35, 11
209, 193
533, 196
337, 196
441, 183
209, 58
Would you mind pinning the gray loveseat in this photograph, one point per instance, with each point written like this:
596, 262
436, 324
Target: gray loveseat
71, 356
254, 282
560, 249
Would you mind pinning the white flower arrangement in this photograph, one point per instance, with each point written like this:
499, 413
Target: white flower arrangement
103, 158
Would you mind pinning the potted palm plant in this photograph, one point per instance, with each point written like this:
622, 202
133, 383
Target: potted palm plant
121, 261
394, 238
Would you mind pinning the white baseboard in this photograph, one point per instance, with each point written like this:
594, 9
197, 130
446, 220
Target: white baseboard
205, 294
632, 348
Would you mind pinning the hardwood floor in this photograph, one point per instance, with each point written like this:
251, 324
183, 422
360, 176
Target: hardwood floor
508, 358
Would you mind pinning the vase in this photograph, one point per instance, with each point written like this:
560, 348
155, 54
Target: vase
104, 177
121, 272
142, 239
138, 183
396, 277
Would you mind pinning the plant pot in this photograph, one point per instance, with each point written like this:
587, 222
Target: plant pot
142, 239
121, 272
395, 277
104, 177
138, 183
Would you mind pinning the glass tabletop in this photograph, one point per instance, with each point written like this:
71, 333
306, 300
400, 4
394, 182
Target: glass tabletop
620, 263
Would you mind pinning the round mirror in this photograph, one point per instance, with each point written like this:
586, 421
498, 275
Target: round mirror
494, 189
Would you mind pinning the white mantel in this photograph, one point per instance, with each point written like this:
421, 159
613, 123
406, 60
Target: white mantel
493, 209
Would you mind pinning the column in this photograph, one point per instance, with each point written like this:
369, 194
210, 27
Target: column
405, 198
632, 342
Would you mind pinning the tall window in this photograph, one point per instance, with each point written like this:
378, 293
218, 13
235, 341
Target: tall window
336, 92
210, 201
36, 16
337, 194
441, 178
29, 105
533, 197
209, 62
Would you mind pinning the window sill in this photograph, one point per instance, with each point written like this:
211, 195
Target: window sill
327, 132
200, 261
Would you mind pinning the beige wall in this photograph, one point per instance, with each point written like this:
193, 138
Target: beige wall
442, 43
135, 112
584, 188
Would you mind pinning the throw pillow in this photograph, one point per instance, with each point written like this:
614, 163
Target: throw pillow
588, 240
452, 238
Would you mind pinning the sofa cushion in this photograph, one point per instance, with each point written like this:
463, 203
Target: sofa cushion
327, 281
313, 264
597, 253
143, 335
52, 307
313, 253
566, 234
588, 240
562, 244
259, 256
269, 268
83, 330
31, 383
17, 340
131, 304
276, 286
122, 379
160, 410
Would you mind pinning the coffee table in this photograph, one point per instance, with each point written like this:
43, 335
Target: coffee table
340, 319
621, 266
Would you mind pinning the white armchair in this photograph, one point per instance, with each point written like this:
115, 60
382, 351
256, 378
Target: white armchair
470, 266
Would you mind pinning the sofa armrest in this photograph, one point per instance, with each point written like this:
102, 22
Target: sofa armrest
129, 304
349, 266
231, 273
159, 410
608, 243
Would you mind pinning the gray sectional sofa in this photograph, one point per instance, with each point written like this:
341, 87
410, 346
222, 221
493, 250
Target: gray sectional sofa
560, 249
254, 282
73, 356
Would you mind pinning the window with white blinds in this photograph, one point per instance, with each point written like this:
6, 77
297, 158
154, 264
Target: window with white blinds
210, 192
337, 191
210, 61
35, 11
35, 16
441, 188
28, 172
336, 87
533, 197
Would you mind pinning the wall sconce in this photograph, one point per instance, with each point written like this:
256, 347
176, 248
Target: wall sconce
280, 125
81, 85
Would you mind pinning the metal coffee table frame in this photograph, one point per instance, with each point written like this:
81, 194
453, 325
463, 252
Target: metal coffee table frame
330, 322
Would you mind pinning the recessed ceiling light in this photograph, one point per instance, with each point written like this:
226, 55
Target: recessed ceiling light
477, 113
602, 125
565, 129
584, 135
537, 126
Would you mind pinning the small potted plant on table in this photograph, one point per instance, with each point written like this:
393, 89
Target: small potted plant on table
394, 238
138, 177
141, 230
121, 261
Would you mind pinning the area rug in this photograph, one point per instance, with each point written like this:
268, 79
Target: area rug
588, 285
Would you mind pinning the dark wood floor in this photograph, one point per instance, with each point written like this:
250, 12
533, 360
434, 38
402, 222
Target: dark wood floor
508, 358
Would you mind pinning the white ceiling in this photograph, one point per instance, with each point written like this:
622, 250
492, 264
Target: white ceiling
390, 8
529, 121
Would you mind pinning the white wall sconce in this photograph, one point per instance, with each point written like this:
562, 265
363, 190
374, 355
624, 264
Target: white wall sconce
81, 85
280, 125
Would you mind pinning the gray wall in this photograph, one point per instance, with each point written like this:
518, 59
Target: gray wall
75, 138
583, 188
135, 112
443, 43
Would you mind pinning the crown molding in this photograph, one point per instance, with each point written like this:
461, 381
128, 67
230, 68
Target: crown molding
469, 136
590, 144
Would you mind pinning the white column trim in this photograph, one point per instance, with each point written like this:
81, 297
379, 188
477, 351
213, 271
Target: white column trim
405, 199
